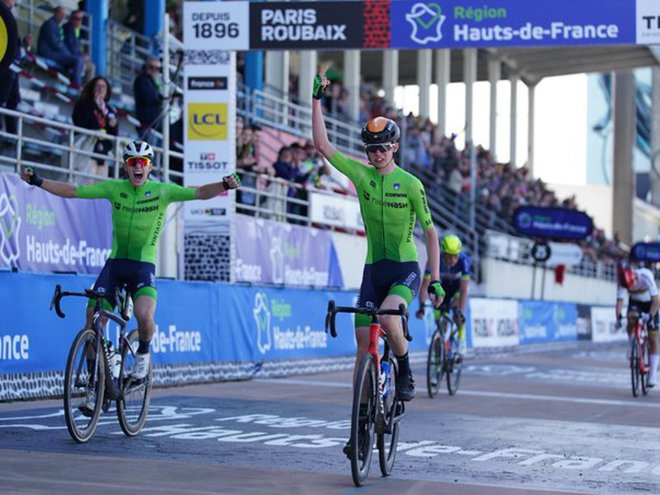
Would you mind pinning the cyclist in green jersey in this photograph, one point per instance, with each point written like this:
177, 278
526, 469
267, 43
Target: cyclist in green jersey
390, 201
138, 214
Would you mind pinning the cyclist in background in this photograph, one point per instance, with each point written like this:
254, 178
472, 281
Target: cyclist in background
455, 279
139, 207
643, 299
390, 201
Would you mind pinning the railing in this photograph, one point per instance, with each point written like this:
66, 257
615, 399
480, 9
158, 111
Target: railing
59, 156
518, 250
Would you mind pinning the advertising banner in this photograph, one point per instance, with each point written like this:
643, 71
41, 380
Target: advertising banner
336, 210
196, 323
494, 322
210, 101
269, 252
646, 251
306, 25
583, 322
459, 24
547, 321
552, 223
603, 325
41, 232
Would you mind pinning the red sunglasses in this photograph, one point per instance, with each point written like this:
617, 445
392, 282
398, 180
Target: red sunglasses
138, 161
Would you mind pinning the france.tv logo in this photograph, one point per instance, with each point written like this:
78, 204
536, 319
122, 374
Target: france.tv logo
426, 21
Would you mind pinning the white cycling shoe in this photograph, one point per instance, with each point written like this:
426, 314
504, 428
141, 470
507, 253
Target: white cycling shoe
141, 367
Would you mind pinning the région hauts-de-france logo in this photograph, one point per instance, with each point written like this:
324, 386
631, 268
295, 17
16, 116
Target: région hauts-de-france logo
261, 313
426, 20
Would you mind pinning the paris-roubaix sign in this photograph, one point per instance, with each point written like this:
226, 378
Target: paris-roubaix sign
552, 223
234, 25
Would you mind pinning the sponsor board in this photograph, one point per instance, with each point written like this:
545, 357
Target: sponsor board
494, 322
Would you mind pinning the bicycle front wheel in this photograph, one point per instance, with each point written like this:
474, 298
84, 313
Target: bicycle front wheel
435, 364
134, 398
388, 440
84, 386
454, 369
634, 368
362, 420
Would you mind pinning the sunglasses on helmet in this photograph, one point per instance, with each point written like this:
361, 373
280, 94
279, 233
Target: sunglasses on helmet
138, 161
383, 148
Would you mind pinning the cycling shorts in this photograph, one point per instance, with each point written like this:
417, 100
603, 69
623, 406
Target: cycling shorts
139, 278
450, 301
383, 278
642, 307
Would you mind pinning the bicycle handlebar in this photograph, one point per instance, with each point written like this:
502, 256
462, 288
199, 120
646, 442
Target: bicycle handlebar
373, 312
89, 294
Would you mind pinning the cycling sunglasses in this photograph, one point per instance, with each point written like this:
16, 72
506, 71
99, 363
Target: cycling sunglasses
383, 148
138, 161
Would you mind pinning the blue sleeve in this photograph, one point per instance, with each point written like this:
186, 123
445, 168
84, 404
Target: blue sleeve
466, 266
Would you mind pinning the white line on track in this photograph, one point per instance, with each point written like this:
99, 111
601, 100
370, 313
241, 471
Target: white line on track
497, 395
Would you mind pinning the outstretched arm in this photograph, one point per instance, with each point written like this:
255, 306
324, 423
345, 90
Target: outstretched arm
319, 132
211, 190
62, 189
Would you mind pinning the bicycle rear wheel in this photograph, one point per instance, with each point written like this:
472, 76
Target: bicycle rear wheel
435, 364
388, 440
634, 368
133, 403
362, 425
84, 386
454, 369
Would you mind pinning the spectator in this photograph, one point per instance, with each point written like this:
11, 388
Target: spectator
52, 46
287, 167
72, 39
93, 111
9, 90
246, 161
148, 92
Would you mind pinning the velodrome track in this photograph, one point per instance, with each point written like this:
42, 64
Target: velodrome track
537, 420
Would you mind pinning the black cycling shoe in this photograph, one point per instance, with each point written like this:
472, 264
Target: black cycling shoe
347, 449
405, 387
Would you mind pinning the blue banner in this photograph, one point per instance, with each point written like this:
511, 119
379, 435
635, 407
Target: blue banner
646, 251
552, 223
542, 321
196, 323
461, 24
42, 232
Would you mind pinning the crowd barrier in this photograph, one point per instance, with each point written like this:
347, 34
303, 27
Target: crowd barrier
215, 332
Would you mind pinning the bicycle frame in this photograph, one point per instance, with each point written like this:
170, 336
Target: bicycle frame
642, 339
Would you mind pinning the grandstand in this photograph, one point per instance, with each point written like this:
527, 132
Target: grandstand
47, 138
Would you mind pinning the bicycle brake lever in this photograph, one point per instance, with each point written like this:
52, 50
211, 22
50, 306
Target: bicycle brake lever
330, 319
404, 322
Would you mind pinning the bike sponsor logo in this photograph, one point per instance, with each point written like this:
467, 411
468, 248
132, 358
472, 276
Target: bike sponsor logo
426, 21
10, 225
207, 121
207, 83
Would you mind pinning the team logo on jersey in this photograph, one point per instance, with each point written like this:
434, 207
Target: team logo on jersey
396, 186
427, 21
147, 194
373, 184
366, 195
117, 206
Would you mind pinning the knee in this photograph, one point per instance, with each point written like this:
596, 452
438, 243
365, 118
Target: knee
389, 322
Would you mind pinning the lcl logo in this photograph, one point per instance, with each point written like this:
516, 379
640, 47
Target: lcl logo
207, 121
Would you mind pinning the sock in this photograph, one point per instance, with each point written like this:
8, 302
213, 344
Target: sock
654, 358
404, 364
143, 348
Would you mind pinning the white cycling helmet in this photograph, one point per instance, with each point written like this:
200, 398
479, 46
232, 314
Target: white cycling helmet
138, 148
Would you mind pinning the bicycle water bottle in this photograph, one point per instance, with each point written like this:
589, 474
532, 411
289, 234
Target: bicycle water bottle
385, 377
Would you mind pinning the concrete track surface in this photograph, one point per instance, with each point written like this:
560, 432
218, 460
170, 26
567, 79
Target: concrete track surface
534, 420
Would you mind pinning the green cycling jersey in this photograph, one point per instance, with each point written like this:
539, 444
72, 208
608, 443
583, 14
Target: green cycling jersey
138, 214
389, 205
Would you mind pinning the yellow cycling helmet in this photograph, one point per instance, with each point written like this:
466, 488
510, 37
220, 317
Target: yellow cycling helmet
451, 244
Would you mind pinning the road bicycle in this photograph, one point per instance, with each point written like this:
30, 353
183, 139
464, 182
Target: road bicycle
89, 372
443, 357
639, 355
376, 408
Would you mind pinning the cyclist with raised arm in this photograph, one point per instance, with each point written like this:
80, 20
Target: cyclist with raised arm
390, 201
643, 300
139, 207
455, 279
